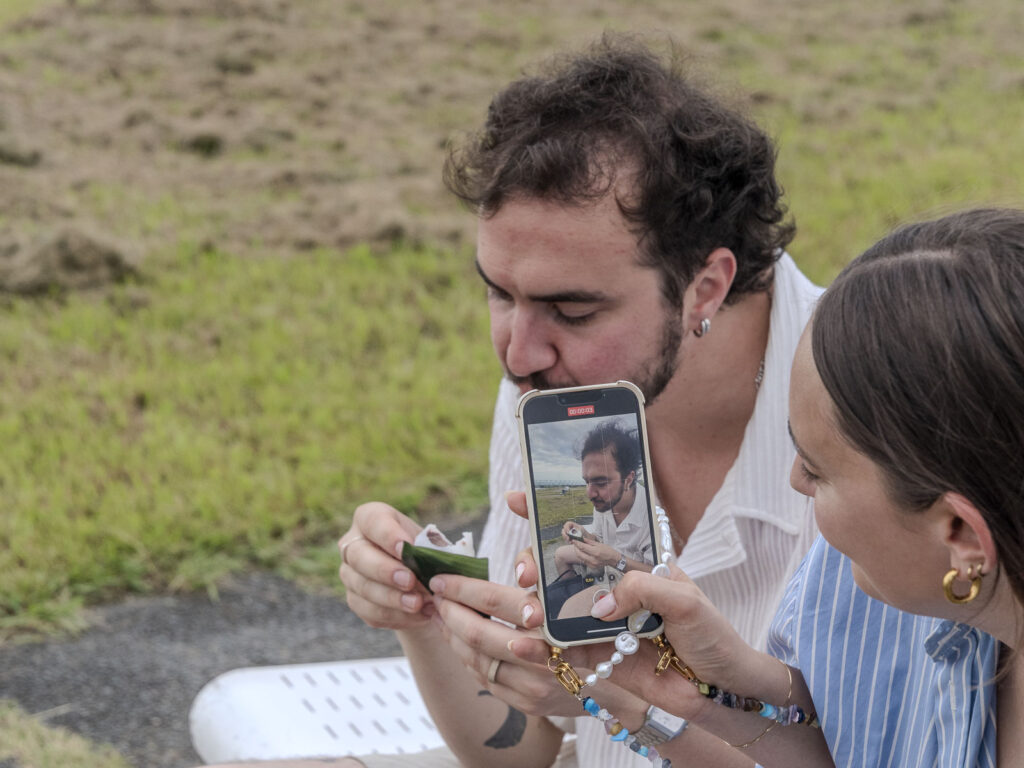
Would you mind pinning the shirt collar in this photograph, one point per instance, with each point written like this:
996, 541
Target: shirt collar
757, 484
765, 459
637, 517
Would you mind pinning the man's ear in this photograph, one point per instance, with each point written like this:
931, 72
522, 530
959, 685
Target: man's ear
631, 479
967, 536
709, 287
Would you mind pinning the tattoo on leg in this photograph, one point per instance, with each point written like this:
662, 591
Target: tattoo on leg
511, 731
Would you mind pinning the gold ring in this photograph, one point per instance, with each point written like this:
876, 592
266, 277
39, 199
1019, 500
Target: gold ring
346, 545
492, 671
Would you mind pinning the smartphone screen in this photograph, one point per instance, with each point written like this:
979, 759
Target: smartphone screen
587, 466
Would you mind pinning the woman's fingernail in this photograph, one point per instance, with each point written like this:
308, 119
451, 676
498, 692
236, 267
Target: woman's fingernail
527, 613
410, 602
403, 579
603, 607
509, 645
437, 585
519, 571
398, 549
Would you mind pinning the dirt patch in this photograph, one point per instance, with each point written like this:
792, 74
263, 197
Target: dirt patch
267, 124
285, 126
70, 259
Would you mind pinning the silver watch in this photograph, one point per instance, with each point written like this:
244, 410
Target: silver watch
659, 726
621, 565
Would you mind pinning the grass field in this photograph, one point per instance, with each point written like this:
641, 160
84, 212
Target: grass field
554, 507
27, 742
307, 332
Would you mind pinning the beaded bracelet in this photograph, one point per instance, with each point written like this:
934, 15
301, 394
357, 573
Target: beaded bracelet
787, 714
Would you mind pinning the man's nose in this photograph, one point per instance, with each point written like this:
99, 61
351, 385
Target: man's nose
529, 349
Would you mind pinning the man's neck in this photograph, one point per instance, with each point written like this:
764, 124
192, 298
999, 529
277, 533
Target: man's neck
621, 510
696, 425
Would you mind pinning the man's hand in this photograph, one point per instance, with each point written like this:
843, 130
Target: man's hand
526, 685
595, 554
379, 588
571, 531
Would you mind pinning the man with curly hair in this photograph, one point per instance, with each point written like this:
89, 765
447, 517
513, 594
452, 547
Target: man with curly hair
630, 227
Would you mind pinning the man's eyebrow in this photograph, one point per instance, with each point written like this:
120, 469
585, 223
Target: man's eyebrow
483, 276
561, 297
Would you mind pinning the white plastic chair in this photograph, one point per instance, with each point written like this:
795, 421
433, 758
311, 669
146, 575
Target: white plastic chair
333, 709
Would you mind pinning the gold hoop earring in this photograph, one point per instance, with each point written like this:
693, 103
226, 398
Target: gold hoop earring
950, 577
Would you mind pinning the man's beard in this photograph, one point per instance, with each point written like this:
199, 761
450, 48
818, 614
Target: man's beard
610, 504
651, 379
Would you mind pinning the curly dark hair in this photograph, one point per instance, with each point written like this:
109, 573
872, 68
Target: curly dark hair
703, 174
623, 442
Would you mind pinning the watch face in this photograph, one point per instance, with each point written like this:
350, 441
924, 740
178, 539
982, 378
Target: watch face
666, 721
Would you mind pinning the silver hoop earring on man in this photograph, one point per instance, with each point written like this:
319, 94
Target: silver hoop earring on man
703, 328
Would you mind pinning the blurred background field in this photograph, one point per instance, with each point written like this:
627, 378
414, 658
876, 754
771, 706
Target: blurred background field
555, 505
295, 326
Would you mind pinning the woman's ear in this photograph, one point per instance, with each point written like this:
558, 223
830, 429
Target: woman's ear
967, 536
709, 287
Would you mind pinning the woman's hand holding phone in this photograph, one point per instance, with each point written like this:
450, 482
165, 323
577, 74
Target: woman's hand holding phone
701, 636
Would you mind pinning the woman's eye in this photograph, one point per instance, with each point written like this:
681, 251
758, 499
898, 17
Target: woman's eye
808, 475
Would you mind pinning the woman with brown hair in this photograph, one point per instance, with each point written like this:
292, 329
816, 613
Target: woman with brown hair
898, 636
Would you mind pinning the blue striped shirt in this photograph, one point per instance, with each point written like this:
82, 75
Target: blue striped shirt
891, 688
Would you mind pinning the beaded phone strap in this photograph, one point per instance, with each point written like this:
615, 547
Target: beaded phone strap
627, 643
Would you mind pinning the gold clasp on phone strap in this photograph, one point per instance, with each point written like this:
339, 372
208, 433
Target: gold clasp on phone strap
564, 672
669, 659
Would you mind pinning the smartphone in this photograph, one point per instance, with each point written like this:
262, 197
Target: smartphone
587, 466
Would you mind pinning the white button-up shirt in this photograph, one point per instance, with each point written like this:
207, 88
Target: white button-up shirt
754, 532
